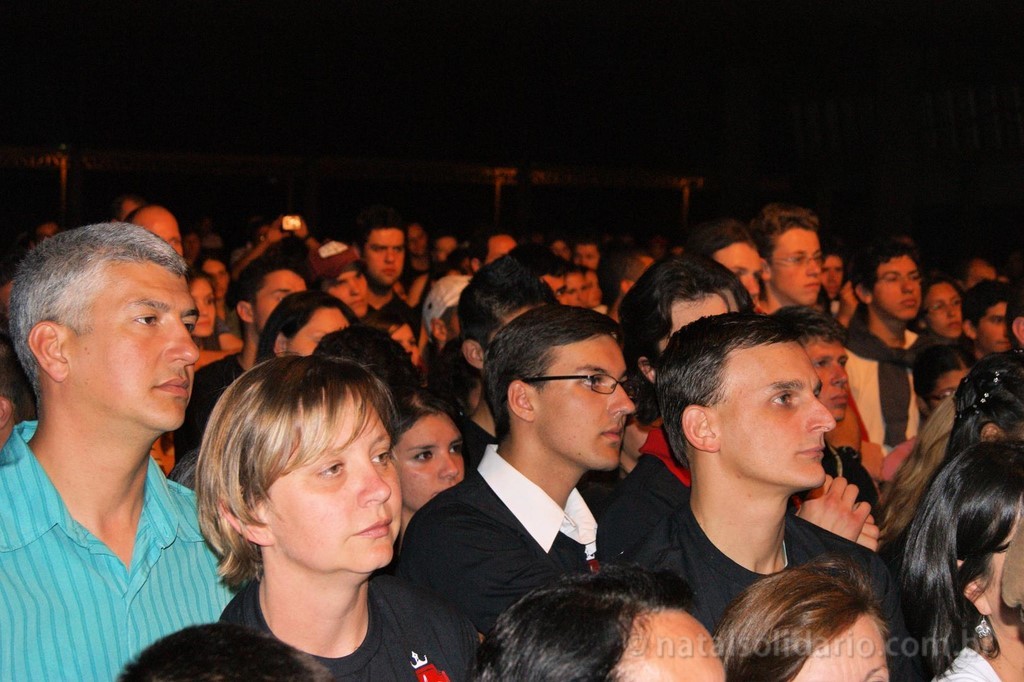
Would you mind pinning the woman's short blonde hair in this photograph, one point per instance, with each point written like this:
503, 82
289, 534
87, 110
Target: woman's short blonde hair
277, 417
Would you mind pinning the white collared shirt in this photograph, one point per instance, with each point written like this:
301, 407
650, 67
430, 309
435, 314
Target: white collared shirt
539, 514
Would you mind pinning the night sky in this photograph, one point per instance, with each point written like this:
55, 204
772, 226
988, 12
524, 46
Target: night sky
506, 83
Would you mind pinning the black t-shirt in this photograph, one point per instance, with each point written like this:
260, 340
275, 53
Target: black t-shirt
679, 544
467, 546
207, 386
646, 497
411, 635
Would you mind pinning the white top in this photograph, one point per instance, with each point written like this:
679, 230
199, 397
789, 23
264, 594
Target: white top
969, 666
863, 373
539, 514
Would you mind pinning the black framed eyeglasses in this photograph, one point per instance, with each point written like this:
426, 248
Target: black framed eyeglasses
598, 383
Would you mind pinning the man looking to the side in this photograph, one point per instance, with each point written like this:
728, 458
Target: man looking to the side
553, 378
739, 399
100, 555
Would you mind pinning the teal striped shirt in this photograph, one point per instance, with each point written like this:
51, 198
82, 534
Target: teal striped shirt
69, 609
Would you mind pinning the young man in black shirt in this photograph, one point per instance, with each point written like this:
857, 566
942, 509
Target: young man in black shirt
553, 380
739, 399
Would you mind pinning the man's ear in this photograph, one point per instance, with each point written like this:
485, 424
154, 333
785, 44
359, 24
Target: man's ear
47, 341
863, 294
991, 432
699, 428
245, 312
970, 331
280, 344
520, 400
258, 534
644, 365
1017, 329
473, 352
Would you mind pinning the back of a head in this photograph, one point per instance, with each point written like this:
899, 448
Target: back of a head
966, 516
539, 260
989, 402
775, 219
523, 348
646, 311
374, 349
496, 291
577, 628
619, 265
773, 627
222, 652
56, 280
690, 371
714, 235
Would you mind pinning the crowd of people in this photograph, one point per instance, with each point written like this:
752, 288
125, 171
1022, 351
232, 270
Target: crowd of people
748, 454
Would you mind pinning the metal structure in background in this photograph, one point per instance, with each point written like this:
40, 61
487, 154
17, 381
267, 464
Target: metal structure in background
72, 164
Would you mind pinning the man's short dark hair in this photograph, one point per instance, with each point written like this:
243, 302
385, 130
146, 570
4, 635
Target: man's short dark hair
864, 269
691, 371
253, 277
715, 235
646, 312
776, 219
539, 260
377, 218
496, 291
616, 266
222, 652
982, 296
523, 348
577, 628
812, 325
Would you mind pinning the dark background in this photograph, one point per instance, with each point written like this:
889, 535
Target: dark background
883, 116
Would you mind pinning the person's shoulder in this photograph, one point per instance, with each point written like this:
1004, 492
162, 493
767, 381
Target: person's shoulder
402, 595
809, 541
220, 372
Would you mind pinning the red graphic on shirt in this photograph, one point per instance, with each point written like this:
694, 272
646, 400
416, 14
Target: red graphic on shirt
427, 671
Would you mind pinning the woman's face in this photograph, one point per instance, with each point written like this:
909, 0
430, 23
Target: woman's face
202, 294
942, 310
857, 655
429, 460
404, 336
321, 323
221, 279
945, 386
336, 515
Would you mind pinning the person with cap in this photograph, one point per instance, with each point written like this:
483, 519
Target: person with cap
343, 275
441, 312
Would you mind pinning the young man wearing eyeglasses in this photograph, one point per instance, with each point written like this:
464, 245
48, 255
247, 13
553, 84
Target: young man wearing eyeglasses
887, 282
791, 258
554, 380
